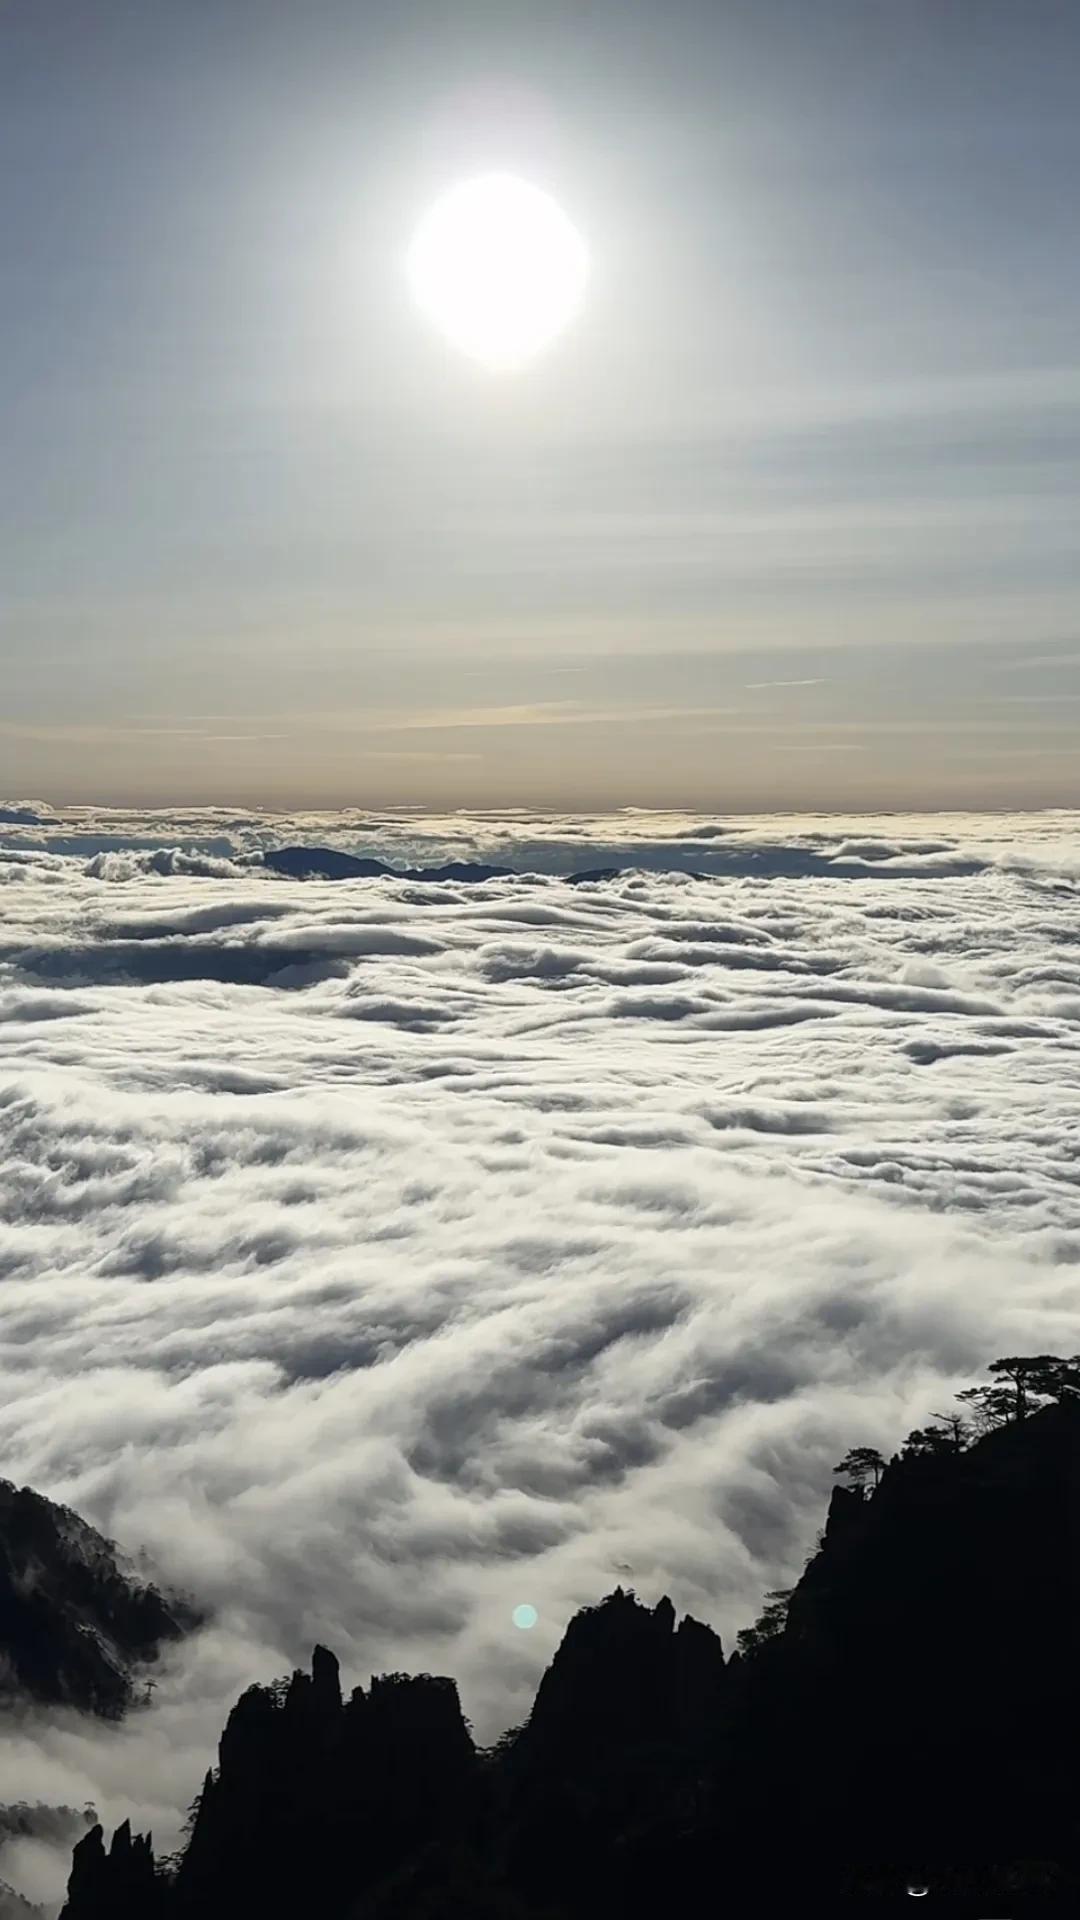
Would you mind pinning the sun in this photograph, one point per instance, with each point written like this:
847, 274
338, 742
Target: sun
499, 268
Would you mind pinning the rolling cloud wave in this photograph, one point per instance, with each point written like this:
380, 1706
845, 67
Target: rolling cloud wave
381, 1255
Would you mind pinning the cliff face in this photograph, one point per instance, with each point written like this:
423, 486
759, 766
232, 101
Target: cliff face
930, 1666
903, 1726
73, 1624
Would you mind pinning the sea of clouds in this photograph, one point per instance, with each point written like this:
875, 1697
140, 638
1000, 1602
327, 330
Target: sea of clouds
378, 1255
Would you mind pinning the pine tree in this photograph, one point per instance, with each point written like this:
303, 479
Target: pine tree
860, 1464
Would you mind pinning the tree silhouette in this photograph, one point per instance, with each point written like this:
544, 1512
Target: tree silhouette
924, 1441
1053, 1378
988, 1407
1026, 1375
950, 1433
860, 1464
956, 1430
769, 1624
195, 1808
1021, 1383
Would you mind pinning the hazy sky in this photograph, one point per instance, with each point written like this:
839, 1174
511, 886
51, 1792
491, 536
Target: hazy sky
790, 518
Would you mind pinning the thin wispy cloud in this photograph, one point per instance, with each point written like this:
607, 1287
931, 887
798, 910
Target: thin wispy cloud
758, 686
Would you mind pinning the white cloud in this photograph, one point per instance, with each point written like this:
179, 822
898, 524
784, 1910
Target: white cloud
380, 1255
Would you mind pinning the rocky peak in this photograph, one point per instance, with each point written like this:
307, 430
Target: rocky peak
622, 1675
118, 1885
326, 1680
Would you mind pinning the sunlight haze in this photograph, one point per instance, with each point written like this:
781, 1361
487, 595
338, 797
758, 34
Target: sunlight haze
795, 492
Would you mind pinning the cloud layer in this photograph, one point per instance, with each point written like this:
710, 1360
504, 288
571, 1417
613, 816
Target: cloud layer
380, 1256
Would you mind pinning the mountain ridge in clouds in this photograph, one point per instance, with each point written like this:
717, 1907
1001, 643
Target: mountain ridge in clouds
76, 1627
941, 1608
330, 863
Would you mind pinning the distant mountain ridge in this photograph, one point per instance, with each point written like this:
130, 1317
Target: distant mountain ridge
906, 1716
329, 863
74, 1625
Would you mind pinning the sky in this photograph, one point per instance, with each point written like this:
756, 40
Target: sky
787, 519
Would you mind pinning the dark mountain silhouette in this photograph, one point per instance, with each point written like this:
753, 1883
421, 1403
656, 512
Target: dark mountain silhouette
905, 1716
328, 863
589, 875
74, 1625
121, 1882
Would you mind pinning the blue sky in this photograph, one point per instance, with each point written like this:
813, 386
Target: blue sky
788, 519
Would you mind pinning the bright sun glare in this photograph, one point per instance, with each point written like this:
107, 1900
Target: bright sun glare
499, 269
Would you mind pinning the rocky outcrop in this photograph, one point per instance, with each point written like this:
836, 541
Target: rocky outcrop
624, 1677
308, 1785
120, 1884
